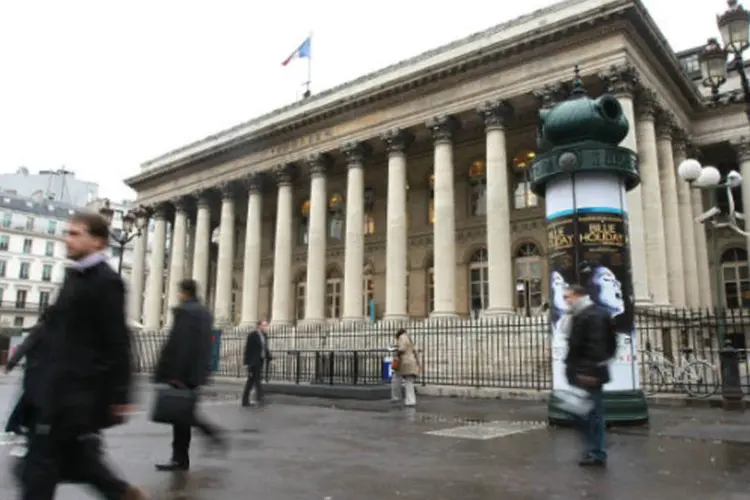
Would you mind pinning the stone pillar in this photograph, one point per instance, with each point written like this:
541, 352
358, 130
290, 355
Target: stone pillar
315, 291
656, 252
743, 159
671, 213
354, 251
177, 259
397, 239
499, 258
251, 264
281, 310
202, 244
225, 260
444, 230
687, 232
138, 273
622, 83
701, 252
155, 282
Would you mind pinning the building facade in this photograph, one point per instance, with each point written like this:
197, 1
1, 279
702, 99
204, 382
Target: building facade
54, 185
405, 194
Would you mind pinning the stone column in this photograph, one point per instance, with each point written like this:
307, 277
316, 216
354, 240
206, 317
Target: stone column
251, 264
687, 232
656, 252
622, 82
743, 159
138, 274
354, 251
202, 244
155, 282
225, 260
177, 259
397, 142
701, 252
671, 212
315, 291
281, 310
444, 230
499, 260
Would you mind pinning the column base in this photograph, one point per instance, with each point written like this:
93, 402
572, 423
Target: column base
643, 302
354, 320
497, 311
395, 318
443, 315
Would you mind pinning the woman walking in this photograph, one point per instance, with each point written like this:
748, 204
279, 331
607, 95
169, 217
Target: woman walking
405, 370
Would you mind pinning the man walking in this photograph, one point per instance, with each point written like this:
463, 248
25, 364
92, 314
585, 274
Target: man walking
591, 345
256, 356
83, 374
185, 362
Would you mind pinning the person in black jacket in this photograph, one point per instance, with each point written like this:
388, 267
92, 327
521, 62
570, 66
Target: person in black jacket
21, 417
587, 365
255, 357
185, 362
83, 378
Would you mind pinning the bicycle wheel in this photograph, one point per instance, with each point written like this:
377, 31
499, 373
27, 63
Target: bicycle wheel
653, 380
700, 379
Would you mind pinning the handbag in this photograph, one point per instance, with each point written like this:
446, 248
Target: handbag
575, 401
174, 405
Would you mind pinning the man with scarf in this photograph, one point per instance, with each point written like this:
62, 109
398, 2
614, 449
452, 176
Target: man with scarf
83, 378
589, 331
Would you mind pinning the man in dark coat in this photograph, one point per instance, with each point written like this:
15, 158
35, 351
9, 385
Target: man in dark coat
83, 378
255, 357
587, 365
185, 362
20, 417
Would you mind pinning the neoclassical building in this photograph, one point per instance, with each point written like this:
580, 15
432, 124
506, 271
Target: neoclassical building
404, 193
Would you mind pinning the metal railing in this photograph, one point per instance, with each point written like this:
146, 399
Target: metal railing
15, 306
511, 352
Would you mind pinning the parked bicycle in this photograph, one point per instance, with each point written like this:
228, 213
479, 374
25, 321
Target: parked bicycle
697, 377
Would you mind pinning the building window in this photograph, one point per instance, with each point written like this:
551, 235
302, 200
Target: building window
430, 288
368, 291
691, 64
49, 248
30, 223
478, 188
43, 300
47, 272
52, 227
369, 224
523, 197
3, 268
2, 293
4, 242
336, 217
528, 267
299, 294
304, 222
736, 278
479, 283
21, 299
18, 322
369, 208
7, 219
23, 271
431, 202
27, 242
333, 295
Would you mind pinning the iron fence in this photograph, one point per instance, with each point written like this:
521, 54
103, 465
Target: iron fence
672, 351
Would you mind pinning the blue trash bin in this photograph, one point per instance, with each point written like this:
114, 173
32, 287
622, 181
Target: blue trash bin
387, 371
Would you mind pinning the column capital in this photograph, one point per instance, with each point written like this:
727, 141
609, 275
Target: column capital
355, 153
318, 164
254, 182
227, 190
622, 79
679, 146
665, 125
442, 127
496, 114
397, 140
647, 106
282, 174
551, 94
741, 146
202, 198
182, 203
159, 211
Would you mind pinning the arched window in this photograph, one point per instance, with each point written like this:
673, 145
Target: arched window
528, 267
336, 217
522, 195
431, 203
736, 279
368, 291
333, 295
477, 188
479, 283
304, 221
430, 287
300, 287
236, 301
369, 221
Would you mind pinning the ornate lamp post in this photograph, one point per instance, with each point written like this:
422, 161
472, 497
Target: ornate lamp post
132, 225
709, 179
734, 26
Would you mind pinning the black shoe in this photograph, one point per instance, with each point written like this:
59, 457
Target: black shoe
590, 461
173, 467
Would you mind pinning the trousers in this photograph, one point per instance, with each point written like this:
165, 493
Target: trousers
254, 380
182, 435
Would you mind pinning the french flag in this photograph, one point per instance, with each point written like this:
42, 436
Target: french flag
302, 51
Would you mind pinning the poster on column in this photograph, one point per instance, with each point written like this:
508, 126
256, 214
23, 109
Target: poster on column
591, 248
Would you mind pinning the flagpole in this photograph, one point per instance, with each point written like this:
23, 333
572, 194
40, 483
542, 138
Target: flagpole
309, 70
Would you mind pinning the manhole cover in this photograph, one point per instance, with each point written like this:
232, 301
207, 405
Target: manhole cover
488, 430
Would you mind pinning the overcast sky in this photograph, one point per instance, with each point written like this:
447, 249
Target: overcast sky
102, 86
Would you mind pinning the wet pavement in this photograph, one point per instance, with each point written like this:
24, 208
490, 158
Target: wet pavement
447, 449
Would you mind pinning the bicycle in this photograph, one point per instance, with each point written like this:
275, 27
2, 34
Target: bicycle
697, 377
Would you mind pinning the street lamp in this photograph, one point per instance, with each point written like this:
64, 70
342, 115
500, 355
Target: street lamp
709, 178
734, 26
133, 223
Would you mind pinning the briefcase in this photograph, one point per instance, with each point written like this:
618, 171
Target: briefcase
174, 405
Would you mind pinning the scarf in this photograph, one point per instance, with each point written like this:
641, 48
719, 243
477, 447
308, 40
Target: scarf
566, 323
89, 261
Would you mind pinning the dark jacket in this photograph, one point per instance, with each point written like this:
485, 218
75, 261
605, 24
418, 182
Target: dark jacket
186, 356
256, 349
84, 359
26, 347
21, 416
587, 345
